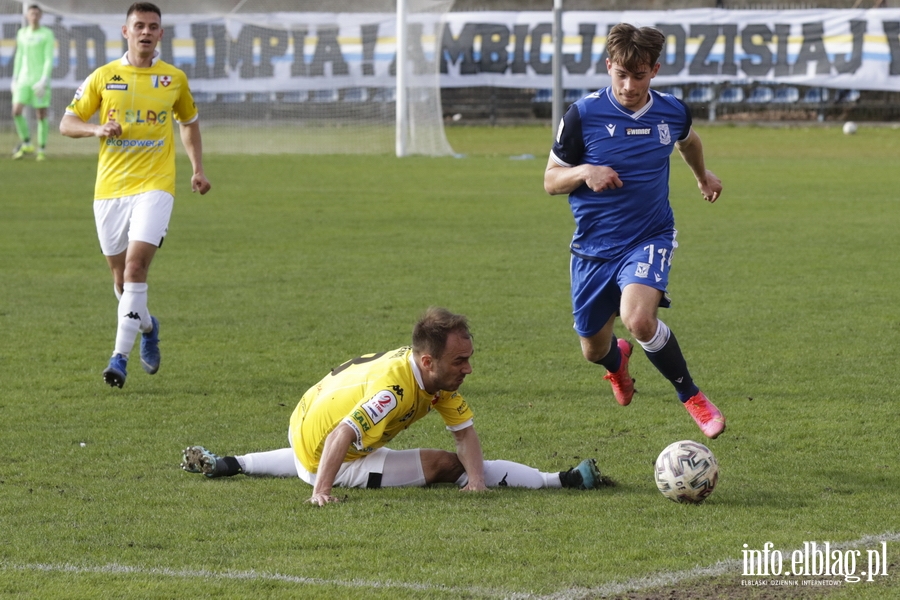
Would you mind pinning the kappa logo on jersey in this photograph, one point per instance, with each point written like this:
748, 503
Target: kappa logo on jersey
665, 136
642, 271
637, 131
379, 405
611, 128
116, 78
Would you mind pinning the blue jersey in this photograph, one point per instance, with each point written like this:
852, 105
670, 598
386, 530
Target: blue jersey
598, 130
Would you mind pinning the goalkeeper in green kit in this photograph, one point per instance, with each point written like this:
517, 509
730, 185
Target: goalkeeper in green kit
31, 81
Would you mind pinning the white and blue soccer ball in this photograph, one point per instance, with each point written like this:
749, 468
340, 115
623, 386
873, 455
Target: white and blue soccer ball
687, 472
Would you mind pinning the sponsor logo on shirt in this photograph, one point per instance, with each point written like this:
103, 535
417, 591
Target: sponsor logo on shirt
120, 143
121, 87
140, 116
379, 405
637, 131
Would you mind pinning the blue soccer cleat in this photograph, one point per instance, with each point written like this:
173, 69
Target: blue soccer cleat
114, 375
586, 476
150, 348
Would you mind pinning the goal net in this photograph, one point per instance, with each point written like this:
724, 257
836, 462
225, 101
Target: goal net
274, 76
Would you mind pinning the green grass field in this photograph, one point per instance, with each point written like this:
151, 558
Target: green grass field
785, 303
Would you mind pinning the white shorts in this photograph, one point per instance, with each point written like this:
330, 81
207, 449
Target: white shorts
382, 468
140, 218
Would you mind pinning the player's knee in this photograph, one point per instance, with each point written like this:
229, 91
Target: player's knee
441, 466
640, 324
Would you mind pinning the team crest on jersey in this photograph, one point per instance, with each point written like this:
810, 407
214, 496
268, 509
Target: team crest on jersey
379, 405
665, 136
157, 80
642, 271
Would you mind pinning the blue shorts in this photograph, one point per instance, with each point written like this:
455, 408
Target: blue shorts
597, 284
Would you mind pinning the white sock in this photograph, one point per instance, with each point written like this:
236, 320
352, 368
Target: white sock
499, 473
274, 463
133, 317
117, 292
659, 339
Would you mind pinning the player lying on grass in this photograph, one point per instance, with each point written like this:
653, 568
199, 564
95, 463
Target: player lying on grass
340, 428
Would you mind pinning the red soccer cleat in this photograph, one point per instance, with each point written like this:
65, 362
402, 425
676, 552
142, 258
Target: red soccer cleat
622, 383
708, 418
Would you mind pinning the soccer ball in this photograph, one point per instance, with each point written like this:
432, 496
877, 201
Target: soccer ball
849, 127
686, 471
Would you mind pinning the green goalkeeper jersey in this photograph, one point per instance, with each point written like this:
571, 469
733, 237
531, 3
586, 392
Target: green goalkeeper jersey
34, 55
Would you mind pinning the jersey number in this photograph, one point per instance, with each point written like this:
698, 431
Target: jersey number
665, 257
359, 360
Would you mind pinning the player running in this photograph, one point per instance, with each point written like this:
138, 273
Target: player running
611, 157
138, 98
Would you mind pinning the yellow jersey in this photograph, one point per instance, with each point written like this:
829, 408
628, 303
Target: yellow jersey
378, 396
145, 102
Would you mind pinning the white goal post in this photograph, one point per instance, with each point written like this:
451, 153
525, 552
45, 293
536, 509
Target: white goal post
277, 76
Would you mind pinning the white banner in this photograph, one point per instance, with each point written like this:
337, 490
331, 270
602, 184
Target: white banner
293, 51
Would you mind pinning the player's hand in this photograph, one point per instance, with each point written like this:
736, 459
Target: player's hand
321, 499
711, 188
600, 179
108, 129
199, 183
471, 487
39, 88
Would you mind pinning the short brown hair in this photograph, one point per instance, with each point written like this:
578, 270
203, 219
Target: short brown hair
143, 7
633, 48
432, 329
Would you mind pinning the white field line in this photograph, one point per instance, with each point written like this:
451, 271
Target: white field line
251, 575
720, 568
631, 585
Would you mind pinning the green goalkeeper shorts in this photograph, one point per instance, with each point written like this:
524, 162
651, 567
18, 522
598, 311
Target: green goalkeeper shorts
23, 94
